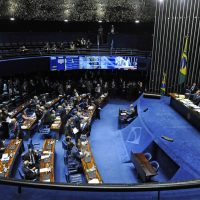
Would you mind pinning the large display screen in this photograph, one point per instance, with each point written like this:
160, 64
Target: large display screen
58, 63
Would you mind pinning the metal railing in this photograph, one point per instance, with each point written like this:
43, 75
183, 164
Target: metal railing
82, 51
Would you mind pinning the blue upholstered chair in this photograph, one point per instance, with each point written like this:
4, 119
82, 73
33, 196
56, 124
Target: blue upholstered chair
45, 131
76, 178
64, 144
148, 156
155, 165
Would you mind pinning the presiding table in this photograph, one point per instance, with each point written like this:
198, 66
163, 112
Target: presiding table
47, 161
186, 108
9, 157
143, 167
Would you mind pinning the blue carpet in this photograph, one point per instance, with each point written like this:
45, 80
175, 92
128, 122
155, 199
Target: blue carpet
108, 146
161, 119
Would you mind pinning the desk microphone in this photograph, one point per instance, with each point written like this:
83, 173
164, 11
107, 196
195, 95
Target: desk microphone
145, 110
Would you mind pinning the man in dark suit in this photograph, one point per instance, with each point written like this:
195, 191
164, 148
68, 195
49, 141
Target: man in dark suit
196, 97
16, 129
192, 89
2, 148
31, 173
32, 157
63, 117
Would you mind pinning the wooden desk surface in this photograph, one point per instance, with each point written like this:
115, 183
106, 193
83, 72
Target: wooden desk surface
89, 165
143, 166
49, 146
19, 109
27, 124
54, 101
12, 148
173, 95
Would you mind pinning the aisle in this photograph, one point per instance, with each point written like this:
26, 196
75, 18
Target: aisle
107, 146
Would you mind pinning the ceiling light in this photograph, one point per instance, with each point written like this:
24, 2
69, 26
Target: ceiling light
137, 21
12, 19
66, 20
100, 21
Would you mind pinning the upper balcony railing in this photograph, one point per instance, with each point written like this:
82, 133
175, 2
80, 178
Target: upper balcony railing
14, 51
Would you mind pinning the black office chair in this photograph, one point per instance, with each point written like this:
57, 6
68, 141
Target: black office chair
148, 156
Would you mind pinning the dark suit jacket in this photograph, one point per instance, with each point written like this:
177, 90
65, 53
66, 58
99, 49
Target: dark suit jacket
29, 174
33, 158
196, 98
193, 89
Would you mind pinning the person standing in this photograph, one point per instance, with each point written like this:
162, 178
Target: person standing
100, 34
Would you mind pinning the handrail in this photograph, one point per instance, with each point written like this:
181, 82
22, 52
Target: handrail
102, 51
104, 187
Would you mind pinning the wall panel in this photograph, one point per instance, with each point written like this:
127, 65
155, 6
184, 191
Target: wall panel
175, 19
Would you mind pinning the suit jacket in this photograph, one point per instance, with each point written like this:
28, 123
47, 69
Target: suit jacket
193, 89
29, 174
32, 157
196, 98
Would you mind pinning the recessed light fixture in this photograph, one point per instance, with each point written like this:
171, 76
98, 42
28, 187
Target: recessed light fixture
12, 19
100, 21
137, 21
66, 20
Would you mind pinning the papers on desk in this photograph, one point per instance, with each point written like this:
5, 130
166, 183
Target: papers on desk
23, 127
87, 157
57, 118
179, 96
94, 180
46, 152
91, 172
47, 180
84, 143
42, 170
90, 107
5, 157
85, 118
44, 156
75, 130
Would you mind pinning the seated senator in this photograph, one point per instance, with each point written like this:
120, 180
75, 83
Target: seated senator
30, 172
196, 97
32, 157
192, 89
2, 148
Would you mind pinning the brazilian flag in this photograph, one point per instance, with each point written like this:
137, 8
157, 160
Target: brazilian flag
163, 85
184, 62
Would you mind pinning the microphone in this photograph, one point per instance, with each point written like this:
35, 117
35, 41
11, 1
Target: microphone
145, 110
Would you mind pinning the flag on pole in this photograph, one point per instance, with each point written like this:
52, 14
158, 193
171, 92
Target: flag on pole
184, 62
163, 85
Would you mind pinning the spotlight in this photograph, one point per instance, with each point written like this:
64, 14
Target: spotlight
12, 19
100, 21
66, 20
137, 21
